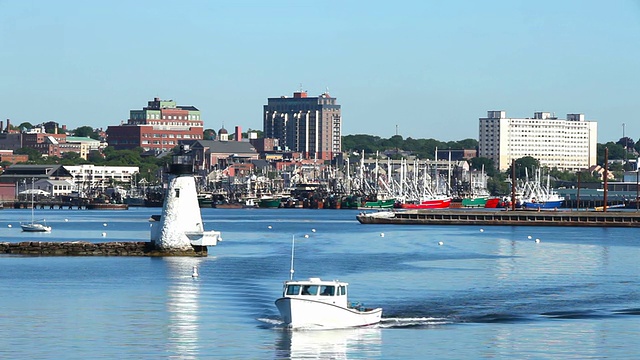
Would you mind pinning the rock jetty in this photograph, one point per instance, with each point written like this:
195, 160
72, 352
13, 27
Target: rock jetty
84, 248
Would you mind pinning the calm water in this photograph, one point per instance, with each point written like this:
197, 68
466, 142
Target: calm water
489, 292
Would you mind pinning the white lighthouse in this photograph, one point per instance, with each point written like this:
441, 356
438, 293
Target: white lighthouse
179, 230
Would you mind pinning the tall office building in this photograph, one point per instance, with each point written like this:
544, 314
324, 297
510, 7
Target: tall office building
161, 125
310, 125
565, 144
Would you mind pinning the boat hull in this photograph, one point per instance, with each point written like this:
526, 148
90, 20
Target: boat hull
429, 204
492, 203
35, 227
380, 204
542, 205
302, 313
269, 203
474, 202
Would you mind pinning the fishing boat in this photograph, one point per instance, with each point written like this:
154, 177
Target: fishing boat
492, 203
477, 201
435, 202
269, 201
321, 304
535, 196
33, 225
380, 204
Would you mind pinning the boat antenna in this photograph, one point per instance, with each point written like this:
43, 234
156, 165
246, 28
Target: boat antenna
293, 245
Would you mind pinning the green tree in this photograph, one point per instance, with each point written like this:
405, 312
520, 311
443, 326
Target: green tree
209, 134
498, 185
83, 131
468, 144
34, 155
525, 165
25, 125
616, 151
478, 163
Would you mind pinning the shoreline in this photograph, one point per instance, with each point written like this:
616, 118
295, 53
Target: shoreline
85, 248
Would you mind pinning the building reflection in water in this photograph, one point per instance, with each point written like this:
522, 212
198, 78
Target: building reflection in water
182, 308
329, 344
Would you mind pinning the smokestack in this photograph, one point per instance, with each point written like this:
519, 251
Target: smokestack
8, 125
1, 126
238, 133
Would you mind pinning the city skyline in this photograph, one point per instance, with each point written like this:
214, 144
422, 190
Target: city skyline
430, 69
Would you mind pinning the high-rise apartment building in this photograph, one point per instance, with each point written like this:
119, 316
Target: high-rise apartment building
565, 144
158, 126
310, 125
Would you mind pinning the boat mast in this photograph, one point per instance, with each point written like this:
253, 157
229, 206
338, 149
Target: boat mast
33, 186
293, 245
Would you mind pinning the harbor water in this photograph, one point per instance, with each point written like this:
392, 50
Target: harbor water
448, 292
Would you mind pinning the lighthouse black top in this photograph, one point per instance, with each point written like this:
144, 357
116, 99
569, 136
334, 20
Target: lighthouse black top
182, 162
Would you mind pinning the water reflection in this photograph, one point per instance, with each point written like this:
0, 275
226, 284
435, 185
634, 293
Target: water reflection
329, 344
182, 308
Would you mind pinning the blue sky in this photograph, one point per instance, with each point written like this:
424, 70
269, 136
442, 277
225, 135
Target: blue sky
430, 67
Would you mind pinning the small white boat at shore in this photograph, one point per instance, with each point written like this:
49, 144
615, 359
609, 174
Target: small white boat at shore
316, 303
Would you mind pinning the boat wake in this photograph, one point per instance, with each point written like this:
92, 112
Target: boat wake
386, 323
410, 322
271, 323
396, 322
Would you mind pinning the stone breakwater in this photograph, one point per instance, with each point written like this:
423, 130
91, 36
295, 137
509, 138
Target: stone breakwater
84, 248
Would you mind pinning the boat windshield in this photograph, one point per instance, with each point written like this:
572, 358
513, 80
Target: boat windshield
309, 290
322, 290
293, 289
327, 290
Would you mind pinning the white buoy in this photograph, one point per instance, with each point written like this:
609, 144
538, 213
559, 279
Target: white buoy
9, 225
65, 220
381, 234
269, 227
195, 272
440, 243
537, 240
481, 230
306, 236
313, 230
529, 237
105, 224
104, 234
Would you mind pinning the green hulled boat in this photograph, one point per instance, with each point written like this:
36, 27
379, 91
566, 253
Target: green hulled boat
479, 201
380, 204
269, 202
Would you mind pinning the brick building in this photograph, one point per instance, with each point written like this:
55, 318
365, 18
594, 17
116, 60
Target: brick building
159, 126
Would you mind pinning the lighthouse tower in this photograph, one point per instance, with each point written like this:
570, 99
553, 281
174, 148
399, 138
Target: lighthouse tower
179, 230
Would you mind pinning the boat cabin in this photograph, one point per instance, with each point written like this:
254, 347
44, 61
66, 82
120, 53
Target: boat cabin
327, 291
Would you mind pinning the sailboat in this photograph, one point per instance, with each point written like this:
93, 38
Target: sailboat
34, 226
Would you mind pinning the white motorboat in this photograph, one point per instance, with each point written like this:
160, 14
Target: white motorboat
316, 303
324, 304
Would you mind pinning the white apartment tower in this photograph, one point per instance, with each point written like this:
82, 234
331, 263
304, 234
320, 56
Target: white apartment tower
569, 144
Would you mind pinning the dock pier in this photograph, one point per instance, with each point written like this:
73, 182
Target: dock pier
516, 218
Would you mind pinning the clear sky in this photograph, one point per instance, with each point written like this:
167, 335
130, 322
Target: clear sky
431, 68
